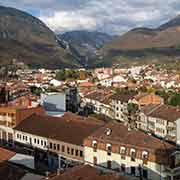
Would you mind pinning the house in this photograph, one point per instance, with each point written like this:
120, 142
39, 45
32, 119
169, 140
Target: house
144, 99
100, 101
58, 139
114, 147
120, 104
11, 116
160, 120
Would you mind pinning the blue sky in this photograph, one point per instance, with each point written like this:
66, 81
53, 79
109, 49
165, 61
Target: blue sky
111, 16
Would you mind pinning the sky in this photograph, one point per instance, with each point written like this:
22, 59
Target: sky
109, 16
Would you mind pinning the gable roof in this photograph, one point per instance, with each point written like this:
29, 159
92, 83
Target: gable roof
166, 112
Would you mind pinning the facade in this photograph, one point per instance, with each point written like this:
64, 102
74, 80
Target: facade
120, 105
58, 139
100, 101
10, 117
115, 148
148, 99
160, 120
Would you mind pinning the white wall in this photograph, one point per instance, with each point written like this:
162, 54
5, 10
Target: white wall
154, 169
30, 140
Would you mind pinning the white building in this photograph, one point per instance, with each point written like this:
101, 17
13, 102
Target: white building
115, 148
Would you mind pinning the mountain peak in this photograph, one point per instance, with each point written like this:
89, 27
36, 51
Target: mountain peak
172, 23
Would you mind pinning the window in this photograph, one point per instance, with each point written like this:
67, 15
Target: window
26, 138
94, 145
133, 154
58, 147
123, 153
35, 140
50, 145
45, 143
81, 154
145, 157
133, 170
62, 148
77, 152
17, 136
41, 142
54, 146
72, 151
109, 149
38, 141
109, 164
68, 150
95, 160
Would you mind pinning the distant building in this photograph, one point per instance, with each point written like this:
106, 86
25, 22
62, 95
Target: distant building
160, 120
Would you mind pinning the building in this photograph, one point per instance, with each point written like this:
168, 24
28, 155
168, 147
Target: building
10, 117
120, 103
54, 103
145, 99
115, 147
58, 139
160, 120
85, 172
100, 102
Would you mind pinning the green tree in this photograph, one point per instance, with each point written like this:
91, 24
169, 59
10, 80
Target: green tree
175, 100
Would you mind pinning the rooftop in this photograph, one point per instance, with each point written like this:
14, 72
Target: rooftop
121, 135
169, 113
69, 128
86, 172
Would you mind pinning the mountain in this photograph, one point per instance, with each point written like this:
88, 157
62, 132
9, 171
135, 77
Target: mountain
29, 40
85, 44
162, 42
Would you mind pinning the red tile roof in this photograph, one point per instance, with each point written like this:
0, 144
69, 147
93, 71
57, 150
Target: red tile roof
70, 128
121, 135
86, 172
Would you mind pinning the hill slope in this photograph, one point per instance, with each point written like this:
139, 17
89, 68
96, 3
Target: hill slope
29, 40
144, 43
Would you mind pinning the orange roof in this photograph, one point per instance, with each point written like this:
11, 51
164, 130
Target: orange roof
87, 84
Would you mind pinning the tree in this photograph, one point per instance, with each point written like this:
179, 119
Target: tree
175, 100
132, 108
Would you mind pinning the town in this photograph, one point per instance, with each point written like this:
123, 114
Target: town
103, 123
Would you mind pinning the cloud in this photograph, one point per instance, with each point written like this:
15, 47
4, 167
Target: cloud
111, 16
65, 21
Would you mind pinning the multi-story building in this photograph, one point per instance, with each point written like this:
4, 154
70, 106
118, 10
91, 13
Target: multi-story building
10, 117
145, 99
160, 120
58, 139
100, 101
114, 147
120, 104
